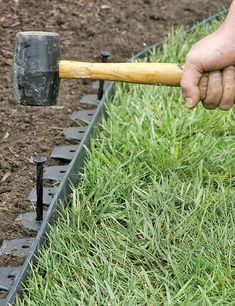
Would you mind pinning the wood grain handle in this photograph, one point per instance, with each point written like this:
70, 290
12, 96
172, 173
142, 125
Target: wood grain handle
141, 73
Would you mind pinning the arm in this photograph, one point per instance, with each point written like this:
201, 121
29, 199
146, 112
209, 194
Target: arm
209, 74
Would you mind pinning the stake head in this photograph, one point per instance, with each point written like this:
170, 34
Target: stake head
39, 159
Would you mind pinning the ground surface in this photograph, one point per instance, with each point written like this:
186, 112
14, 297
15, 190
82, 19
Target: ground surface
159, 228
86, 28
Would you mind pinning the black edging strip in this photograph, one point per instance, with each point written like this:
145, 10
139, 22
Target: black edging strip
71, 177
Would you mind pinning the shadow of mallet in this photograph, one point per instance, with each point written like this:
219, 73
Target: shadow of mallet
37, 70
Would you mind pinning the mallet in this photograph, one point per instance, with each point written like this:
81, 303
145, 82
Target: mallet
37, 70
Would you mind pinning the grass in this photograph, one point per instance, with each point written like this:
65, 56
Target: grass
152, 222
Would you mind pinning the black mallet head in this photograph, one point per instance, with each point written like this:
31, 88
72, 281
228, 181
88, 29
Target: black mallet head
35, 68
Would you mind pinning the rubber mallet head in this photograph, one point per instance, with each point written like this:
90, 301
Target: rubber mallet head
35, 68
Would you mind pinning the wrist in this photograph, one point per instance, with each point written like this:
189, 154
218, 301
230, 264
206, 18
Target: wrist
226, 30
229, 23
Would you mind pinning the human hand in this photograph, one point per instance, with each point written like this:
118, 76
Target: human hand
209, 74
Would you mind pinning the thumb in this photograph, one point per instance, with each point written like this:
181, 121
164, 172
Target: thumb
190, 83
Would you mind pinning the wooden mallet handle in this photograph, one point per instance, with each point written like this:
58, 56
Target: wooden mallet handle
141, 73
37, 70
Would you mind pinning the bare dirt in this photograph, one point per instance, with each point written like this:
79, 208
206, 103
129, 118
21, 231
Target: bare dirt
86, 27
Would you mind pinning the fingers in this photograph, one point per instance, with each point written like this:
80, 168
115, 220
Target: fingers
214, 90
190, 81
217, 89
228, 98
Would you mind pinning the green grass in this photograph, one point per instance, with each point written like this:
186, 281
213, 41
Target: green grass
152, 222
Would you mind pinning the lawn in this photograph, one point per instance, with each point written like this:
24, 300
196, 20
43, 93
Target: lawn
152, 222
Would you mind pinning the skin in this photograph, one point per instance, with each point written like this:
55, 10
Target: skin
209, 74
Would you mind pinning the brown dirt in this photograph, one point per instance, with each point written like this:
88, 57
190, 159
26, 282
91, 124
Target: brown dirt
86, 27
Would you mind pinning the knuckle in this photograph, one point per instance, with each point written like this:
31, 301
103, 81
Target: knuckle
185, 85
192, 58
230, 69
229, 76
228, 87
229, 79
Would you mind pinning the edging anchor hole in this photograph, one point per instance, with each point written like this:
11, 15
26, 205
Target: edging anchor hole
11, 277
25, 246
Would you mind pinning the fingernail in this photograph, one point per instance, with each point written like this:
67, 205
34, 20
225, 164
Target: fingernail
189, 102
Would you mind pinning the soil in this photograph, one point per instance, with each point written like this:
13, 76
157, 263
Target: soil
86, 27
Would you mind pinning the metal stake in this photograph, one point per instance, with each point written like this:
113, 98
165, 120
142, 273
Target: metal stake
39, 161
104, 58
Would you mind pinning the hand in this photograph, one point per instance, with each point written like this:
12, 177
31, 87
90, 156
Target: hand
209, 74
